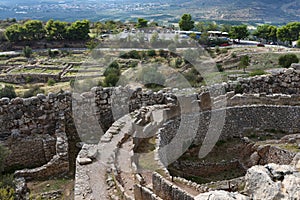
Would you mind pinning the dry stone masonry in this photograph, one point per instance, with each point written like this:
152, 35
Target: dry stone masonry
123, 115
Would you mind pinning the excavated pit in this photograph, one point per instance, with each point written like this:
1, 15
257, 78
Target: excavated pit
231, 157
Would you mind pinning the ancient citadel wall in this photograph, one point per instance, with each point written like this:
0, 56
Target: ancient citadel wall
34, 120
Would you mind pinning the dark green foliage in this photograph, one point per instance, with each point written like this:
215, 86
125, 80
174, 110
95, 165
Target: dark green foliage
238, 89
239, 32
162, 53
186, 23
30, 30
111, 80
113, 68
286, 60
34, 30
72, 83
142, 23
8, 91
178, 62
14, 32
79, 30
289, 32
151, 53
51, 82
133, 64
131, 54
112, 75
220, 68
53, 53
28, 79
267, 32
55, 30
27, 51
244, 62
33, 92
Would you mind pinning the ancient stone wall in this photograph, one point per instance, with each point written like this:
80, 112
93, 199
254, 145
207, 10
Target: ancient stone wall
143, 193
167, 190
24, 121
238, 121
286, 81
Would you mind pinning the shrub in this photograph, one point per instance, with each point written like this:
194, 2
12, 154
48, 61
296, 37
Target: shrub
233, 55
51, 82
72, 83
151, 53
220, 68
286, 60
131, 54
238, 89
178, 62
112, 75
133, 64
162, 53
134, 54
244, 62
8, 91
113, 68
217, 49
298, 43
53, 53
27, 51
33, 92
111, 80
28, 79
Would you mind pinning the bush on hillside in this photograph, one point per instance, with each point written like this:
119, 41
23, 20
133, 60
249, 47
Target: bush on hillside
286, 60
8, 91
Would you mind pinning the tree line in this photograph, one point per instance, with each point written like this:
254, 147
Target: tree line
52, 30
270, 33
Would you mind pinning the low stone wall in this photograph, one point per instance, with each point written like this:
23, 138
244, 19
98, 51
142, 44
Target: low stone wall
59, 164
205, 169
22, 150
238, 120
168, 191
143, 193
286, 82
23, 78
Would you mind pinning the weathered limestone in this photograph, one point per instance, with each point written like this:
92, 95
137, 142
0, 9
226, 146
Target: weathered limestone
273, 181
221, 195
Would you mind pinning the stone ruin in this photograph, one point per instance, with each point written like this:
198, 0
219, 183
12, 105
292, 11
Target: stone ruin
43, 134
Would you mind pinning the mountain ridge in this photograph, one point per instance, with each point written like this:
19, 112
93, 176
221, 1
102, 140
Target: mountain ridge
264, 11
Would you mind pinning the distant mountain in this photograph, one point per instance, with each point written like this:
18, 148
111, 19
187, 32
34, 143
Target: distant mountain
273, 11
246, 10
